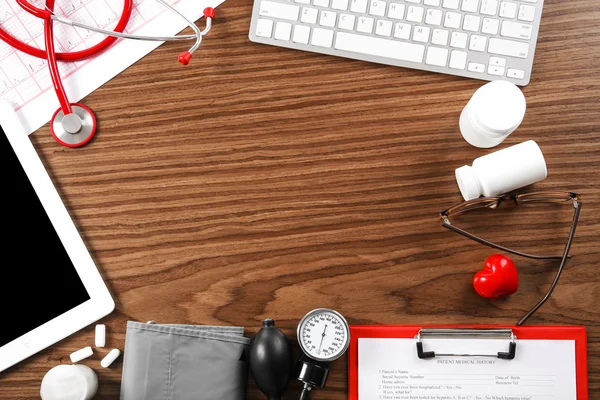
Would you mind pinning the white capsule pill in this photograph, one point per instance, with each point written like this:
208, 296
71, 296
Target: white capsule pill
100, 335
81, 354
110, 357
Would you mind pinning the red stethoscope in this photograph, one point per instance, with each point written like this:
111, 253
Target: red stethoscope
74, 124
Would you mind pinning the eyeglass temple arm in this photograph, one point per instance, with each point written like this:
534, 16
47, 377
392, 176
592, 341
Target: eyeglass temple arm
560, 269
497, 246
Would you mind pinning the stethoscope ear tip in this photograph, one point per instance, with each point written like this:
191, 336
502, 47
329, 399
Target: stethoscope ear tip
209, 12
184, 58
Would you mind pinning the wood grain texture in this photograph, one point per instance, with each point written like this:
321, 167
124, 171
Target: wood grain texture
263, 182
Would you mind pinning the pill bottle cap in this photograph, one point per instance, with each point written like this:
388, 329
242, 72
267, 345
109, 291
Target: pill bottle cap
497, 108
467, 183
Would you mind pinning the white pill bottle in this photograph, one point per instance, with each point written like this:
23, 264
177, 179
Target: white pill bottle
494, 112
502, 171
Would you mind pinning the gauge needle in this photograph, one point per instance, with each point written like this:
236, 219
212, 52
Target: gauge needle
322, 337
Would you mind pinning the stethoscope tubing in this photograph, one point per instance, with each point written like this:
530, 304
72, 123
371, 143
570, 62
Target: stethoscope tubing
124, 35
65, 56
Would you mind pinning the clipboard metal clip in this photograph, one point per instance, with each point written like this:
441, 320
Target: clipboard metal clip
467, 334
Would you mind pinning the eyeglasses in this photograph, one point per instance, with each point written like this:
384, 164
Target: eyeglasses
534, 197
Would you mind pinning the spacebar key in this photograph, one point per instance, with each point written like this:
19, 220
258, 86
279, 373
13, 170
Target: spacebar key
379, 47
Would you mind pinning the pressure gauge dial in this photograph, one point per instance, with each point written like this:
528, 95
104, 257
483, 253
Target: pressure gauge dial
323, 335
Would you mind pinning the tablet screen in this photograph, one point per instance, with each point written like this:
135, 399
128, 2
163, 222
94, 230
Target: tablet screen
41, 283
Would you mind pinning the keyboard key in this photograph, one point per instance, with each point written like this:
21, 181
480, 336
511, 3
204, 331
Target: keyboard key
346, 22
459, 39
365, 25
421, 34
415, 14
396, 11
322, 37
380, 47
517, 30
493, 70
339, 5
453, 4
436, 56
301, 34
452, 20
530, 1
434, 3
321, 3
283, 31
508, 48
434, 17
264, 28
377, 8
490, 26
303, 1
477, 43
489, 7
384, 28
526, 13
458, 59
508, 9
358, 6
327, 18
440, 37
515, 73
279, 10
413, 1
470, 6
498, 61
309, 15
476, 67
402, 31
471, 23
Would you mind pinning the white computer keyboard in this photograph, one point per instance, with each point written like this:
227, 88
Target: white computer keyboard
482, 39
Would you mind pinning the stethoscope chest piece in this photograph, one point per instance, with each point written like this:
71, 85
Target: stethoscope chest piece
75, 129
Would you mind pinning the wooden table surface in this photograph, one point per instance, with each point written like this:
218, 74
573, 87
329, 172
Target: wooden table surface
263, 182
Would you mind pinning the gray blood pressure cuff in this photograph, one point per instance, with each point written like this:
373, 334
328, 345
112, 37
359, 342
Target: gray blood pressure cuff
184, 362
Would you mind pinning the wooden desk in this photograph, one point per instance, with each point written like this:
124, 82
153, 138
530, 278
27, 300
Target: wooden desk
261, 182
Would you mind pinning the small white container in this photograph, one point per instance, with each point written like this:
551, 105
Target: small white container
493, 113
502, 171
69, 382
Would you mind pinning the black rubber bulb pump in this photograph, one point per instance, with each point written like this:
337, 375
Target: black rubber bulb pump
271, 360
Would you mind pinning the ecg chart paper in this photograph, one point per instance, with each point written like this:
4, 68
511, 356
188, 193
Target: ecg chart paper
25, 80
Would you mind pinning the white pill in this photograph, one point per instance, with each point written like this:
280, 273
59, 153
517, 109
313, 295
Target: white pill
100, 335
81, 354
110, 357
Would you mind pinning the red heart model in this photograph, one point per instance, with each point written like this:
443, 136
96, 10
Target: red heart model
499, 278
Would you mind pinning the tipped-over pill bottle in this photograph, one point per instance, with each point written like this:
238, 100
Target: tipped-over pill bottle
502, 171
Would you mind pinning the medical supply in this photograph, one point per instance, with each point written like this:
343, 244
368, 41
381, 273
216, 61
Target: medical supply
184, 361
499, 278
468, 362
503, 171
532, 199
69, 382
271, 360
324, 336
110, 358
81, 354
493, 113
485, 39
100, 338
74, 124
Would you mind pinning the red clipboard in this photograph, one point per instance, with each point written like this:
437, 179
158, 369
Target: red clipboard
576, 333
